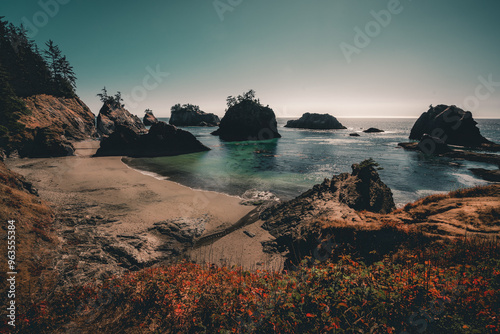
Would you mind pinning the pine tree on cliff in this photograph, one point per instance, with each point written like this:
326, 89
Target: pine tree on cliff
63, 76
11, 109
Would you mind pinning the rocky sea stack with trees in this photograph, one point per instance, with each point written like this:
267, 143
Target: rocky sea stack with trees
247, 119
191, 115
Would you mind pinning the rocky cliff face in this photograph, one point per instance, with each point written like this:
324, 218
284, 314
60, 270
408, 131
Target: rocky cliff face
315, 121
449, 123
248, 120
149, 119
53, 123
162, 140
192, 117
112, 115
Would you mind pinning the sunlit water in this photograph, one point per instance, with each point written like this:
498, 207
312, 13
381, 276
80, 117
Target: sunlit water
301, 158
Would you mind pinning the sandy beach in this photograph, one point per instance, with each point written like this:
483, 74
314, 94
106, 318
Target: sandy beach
131, 202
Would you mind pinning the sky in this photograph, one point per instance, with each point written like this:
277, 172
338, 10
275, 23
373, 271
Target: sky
349, 58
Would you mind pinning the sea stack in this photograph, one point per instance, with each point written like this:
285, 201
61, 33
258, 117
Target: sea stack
449, 123
191, 115
247, 119
315, 122
149, 118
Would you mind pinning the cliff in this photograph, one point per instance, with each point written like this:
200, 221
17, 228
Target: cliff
51, 125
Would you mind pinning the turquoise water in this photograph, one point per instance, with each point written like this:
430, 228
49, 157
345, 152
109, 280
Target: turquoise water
301, 158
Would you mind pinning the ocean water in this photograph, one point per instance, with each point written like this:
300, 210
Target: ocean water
302, 158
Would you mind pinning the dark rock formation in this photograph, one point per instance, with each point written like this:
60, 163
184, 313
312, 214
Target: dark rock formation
112, 115
337, 199
373, 130
248, 120
191, 115
449, 123
488, 175
433, 145
47, 142
162, 140
149, 119
344, 193
354, 134
315, 121
362, 190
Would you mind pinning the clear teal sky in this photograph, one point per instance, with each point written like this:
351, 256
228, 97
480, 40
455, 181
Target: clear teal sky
289, 51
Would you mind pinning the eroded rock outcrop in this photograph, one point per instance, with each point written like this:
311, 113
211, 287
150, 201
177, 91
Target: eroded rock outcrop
52, 124
112, 115
316, 122
451, 124
162, 140
191, 115
339, 197
149, 118
248, 120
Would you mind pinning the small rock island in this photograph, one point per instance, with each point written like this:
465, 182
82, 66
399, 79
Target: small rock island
315, 122
247, 119
191, 115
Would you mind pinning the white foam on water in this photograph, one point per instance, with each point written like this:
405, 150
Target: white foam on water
469, 180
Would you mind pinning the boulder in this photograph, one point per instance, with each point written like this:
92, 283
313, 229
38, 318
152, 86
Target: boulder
248, 120
162, 140
373, 130
433, 145
449, 123
149, 119
316, 122
191, 115
354, 134
112, 115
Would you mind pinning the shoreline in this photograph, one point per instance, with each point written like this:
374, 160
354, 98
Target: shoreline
130, 203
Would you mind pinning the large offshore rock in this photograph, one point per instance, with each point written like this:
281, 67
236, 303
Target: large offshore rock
315, 122
248, 120
449, 123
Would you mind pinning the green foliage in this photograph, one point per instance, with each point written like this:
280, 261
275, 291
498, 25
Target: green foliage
11, 109
185, 108
31, 72
115, 101
246, 97
370, 163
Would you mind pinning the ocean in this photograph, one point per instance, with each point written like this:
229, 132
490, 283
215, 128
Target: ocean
300, 159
